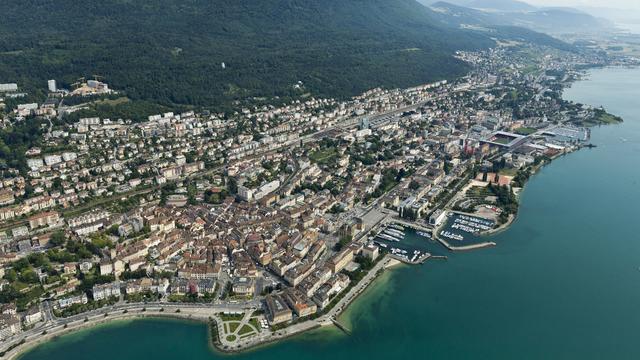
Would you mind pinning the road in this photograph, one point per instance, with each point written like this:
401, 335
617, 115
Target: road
54, 324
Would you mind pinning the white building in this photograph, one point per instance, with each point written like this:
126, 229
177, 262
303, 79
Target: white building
52, 159
64, 303
8, 87
69, 156
30, 106
437, 217
52, 86
35, 163
266, 189
245, 193
105, 291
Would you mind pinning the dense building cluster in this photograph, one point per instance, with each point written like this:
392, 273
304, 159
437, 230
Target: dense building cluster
268, 206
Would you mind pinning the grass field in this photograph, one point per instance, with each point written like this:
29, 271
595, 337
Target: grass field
255, 323
246, 329
231, 317
112, 102
508, 171
477, 192
233, 326
324, 156
525, 131
606, 118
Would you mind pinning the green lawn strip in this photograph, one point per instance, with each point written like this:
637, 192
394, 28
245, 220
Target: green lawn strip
246, 329
321, 156
255, 323
231, 317
247, 336
525, 131
233, 326
508, 171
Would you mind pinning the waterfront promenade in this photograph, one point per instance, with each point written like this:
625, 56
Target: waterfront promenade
54, 327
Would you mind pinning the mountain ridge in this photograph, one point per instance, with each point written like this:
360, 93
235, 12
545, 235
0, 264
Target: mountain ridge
171, 51
549, 20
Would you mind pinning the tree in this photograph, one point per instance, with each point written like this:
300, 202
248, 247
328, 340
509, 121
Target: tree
447, 167
342, 242
57, 238
29, 276
232, 186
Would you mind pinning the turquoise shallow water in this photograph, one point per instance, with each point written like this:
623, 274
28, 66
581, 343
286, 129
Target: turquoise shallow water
563, 282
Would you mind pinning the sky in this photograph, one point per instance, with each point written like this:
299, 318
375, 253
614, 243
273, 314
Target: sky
619, 4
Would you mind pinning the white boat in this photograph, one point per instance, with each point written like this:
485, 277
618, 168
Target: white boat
395, 237
394, 232
449, 235
388, 238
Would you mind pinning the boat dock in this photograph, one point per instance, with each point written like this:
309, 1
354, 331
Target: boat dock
421, 260
340, 326
465, 247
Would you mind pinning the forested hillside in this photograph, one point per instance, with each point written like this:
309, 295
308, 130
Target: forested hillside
171, 51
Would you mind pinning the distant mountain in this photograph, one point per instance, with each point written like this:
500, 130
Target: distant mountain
561, 20
563, 8
624, 16
548, 20
501, 5
428, 3
457, 15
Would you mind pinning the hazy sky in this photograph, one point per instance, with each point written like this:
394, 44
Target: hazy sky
620, 4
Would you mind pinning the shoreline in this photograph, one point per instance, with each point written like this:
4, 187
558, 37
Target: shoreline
118, 315
150, 311
534, 171
512, 218
53, 334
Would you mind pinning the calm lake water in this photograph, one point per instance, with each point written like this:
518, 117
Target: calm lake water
563, 282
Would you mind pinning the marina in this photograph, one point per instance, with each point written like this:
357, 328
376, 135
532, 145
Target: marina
463, 232
464, 228
408, 245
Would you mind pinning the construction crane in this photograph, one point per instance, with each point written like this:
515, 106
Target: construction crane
77, 84
97, 77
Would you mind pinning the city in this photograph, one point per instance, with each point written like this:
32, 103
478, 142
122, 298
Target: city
269, 221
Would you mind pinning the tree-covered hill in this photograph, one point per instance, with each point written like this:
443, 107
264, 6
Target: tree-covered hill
171, 51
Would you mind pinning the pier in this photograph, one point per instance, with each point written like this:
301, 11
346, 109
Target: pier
340, 326
421, 260
465, 247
